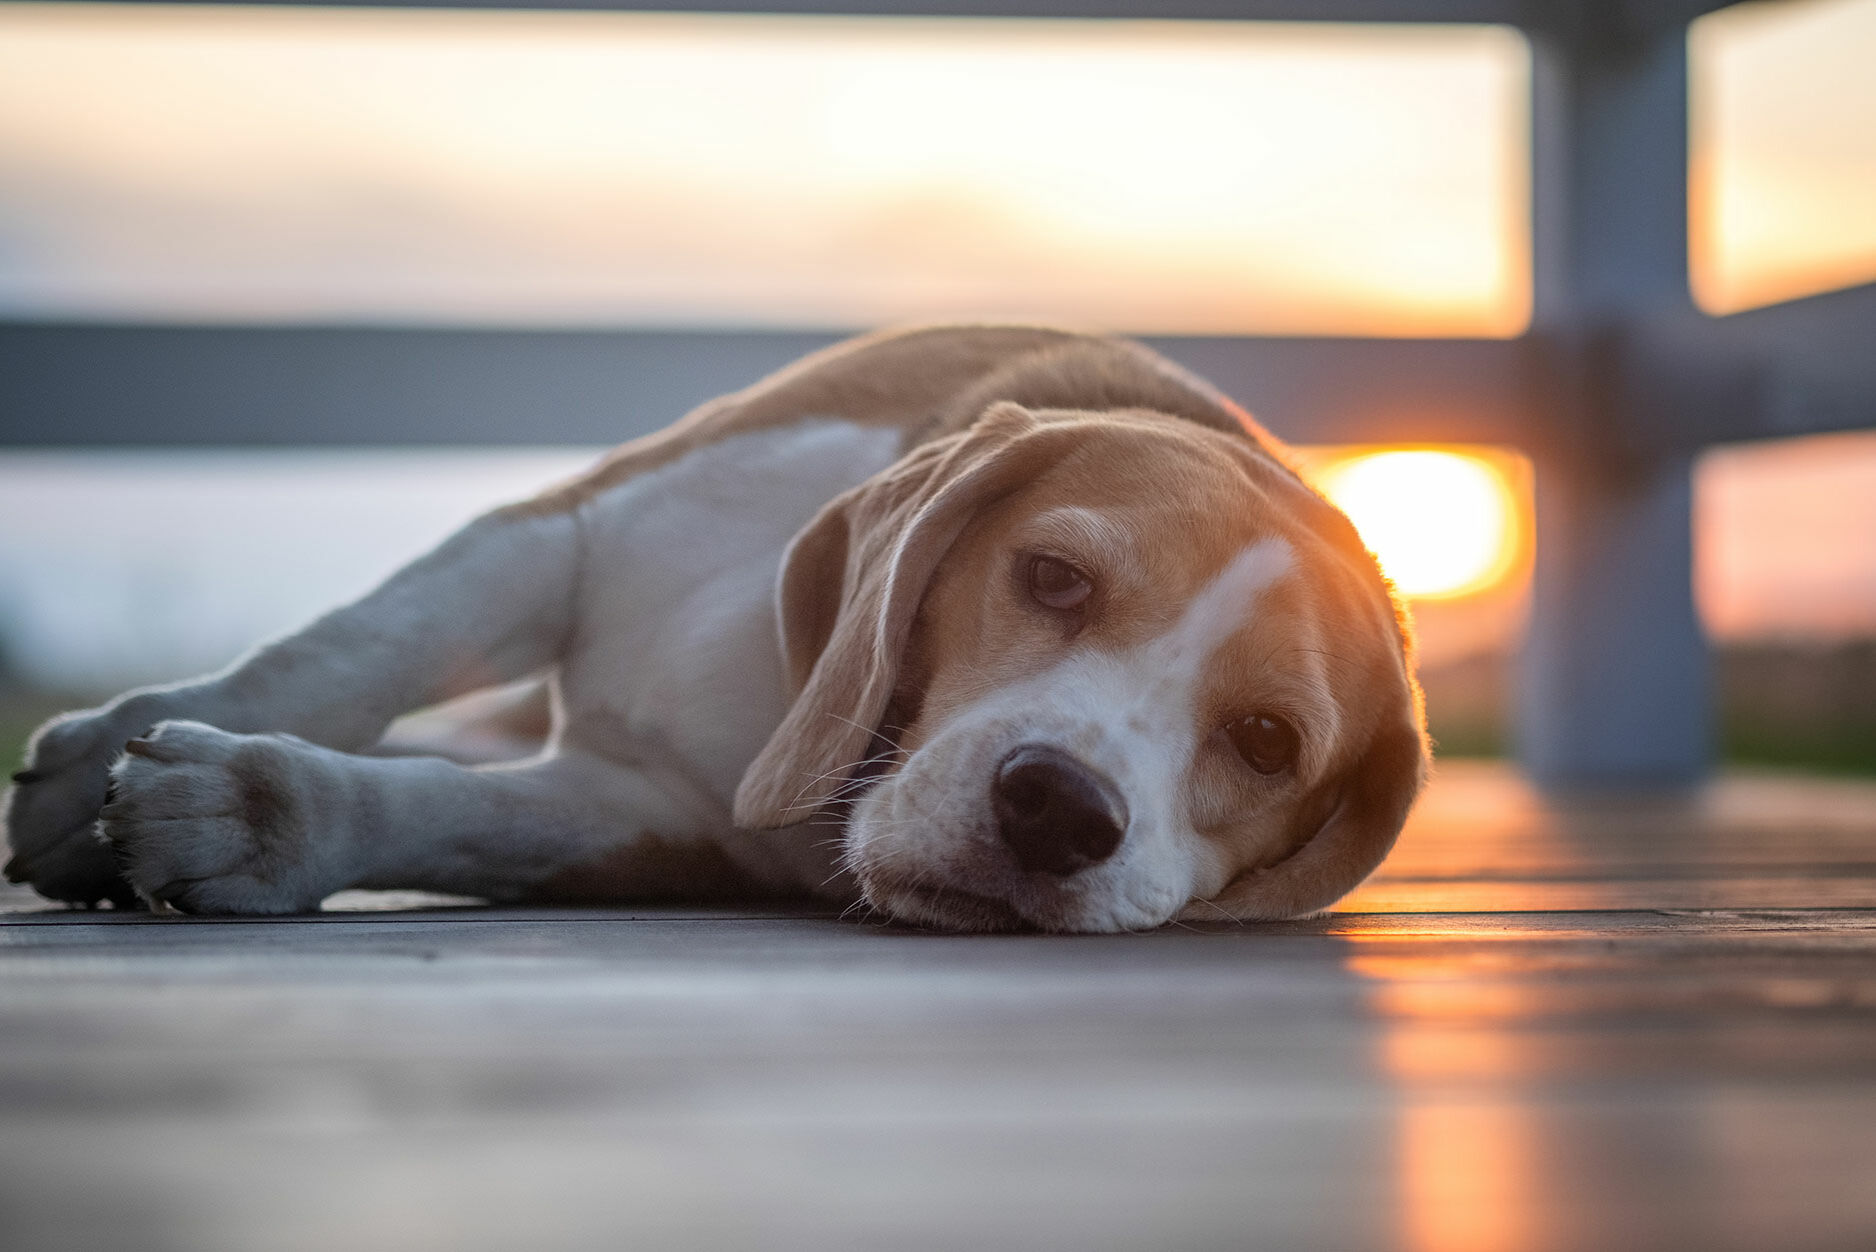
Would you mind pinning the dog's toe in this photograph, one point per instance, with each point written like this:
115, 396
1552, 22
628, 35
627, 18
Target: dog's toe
211, 822
52, 806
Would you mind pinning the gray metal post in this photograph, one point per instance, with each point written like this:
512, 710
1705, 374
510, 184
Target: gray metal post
1614, 686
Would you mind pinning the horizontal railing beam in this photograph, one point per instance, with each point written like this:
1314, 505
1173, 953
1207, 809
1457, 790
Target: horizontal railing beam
90, 385
1608, 19
1620, 17
1802, 367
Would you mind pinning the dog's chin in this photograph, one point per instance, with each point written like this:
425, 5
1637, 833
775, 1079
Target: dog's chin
962, 882
940, 907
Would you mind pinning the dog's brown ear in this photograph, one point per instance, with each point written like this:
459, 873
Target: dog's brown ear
1349, 825
850, 588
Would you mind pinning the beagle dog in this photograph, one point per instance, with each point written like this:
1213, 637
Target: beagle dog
985, 627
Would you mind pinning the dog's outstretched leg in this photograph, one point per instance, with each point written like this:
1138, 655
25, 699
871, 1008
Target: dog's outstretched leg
495, 602
213, 822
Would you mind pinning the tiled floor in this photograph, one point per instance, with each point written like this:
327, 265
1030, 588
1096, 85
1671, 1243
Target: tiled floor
1641, 1022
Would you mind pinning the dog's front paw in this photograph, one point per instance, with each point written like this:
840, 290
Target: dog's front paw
212, 822
52, 806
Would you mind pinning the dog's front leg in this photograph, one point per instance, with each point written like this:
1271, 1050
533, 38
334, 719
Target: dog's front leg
213, 822
493, 603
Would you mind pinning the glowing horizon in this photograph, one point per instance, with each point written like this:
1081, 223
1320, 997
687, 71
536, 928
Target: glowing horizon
169, 162
163, 162
1781, 151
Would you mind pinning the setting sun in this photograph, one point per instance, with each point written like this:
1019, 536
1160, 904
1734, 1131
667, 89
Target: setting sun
1441, 523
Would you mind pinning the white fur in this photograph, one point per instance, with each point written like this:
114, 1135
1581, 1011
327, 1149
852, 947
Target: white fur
650, 606
1132, 716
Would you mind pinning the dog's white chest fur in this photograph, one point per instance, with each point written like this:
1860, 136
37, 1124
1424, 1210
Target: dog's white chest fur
676, 664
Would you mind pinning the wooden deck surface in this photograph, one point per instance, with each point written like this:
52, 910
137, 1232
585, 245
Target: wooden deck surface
1640, 1023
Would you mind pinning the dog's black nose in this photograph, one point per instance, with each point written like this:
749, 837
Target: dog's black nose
1056, 814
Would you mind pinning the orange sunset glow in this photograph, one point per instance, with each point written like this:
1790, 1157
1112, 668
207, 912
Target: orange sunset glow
1442, 524
1782, 160
630, 168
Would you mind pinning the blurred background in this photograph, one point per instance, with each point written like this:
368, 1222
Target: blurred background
598, 172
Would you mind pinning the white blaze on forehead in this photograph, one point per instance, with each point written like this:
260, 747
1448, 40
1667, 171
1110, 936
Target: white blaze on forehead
1155, 691
1220, 609
1142, 704
1146, 705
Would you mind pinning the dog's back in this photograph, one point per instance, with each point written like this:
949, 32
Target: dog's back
927, 382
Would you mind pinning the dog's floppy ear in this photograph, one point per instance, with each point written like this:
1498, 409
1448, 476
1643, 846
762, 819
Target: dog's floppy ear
850, 587
1349, 824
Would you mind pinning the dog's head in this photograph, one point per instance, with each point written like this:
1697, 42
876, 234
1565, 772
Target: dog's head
1091, 672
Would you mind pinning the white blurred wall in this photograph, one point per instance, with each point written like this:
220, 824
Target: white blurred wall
127, 567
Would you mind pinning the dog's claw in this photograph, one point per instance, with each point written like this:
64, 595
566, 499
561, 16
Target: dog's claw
50, 822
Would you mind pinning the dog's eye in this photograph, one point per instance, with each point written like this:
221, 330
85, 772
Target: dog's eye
1057, 583
1267, 744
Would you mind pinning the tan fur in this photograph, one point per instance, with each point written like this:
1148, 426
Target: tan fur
929, 382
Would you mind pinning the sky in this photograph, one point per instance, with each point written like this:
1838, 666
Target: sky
1786, 538
1782, 175
301, 163
292, 162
